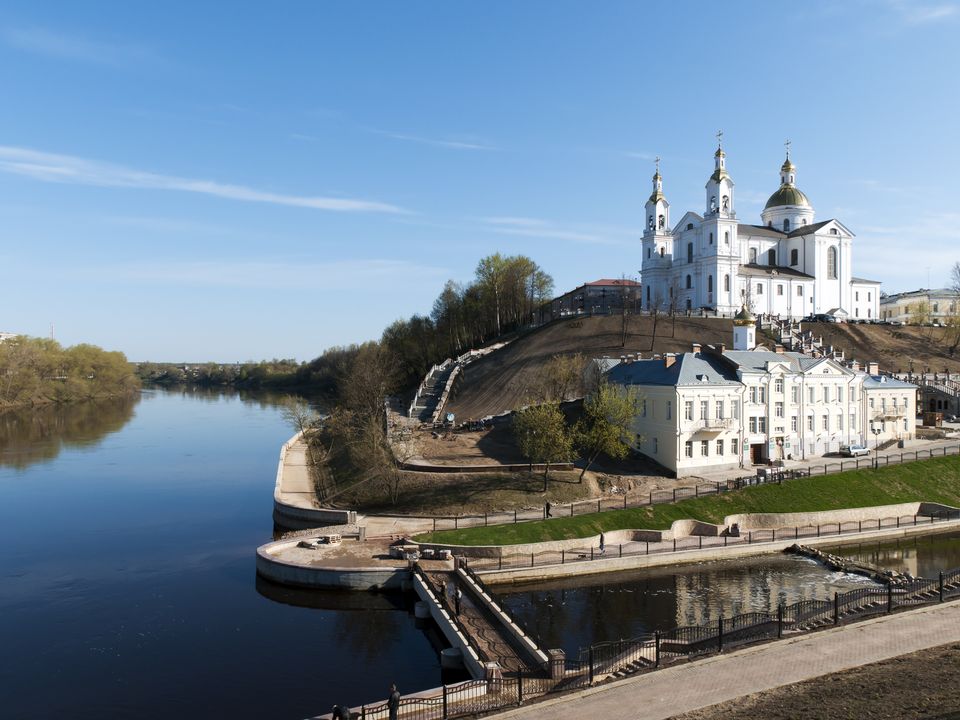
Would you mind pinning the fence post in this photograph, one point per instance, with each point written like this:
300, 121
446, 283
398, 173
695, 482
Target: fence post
651, 497
500, 562
531, 559
571, 509
563, 557
749, 537
700, 538
444, 702
456, 522
656, 649
598, 504
621, 549
520, 687
515, 515
836, 608
941, 586
780, 620
591, 552
818, 530
648, 547
486, 520
674, 494
363, 712
674, 544
889, 598
591, 664
696, 491
624, 501
720, 634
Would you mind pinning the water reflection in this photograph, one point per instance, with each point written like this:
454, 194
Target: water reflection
571, 614
38, 434
922, 555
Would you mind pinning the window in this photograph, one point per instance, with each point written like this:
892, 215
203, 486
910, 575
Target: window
826, 393
689, 252
656, 446
839, 422
689, 282
643, 408
762, 423
661, 252
753, 424
853, 422
904, 423
709, 283
763, 394
726, 238
719, 447
826, 422
669, 409
705, 448
870, 299
726, 283
759, 289
832, 263
794, 257
856, 296
810, 423
778, 409
704, 409
871, 403
753, 256
720, 409
648, 295
688, 449
834, 231
734, 446
811, 393
799, 290
795, 394
771, 257
753, 394
786, 224
840, 394
711, 238
689, 226
735, 407
780, 289
688, 410
793, 424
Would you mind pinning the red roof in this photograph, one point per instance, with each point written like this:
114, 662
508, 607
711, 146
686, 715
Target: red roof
606, 281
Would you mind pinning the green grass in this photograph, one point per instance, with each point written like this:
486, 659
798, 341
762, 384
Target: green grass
936, 480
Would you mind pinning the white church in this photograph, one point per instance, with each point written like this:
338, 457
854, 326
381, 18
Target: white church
788, 265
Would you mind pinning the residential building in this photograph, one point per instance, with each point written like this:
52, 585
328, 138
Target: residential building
921, 306
600, 297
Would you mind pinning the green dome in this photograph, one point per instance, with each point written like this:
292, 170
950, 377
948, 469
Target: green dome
787, 195
744, 317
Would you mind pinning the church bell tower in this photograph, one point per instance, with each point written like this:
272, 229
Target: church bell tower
720, 185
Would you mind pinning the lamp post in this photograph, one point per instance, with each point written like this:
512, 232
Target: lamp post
876, 441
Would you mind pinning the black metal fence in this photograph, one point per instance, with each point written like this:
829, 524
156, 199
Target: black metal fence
517, 560
764, 476
650, 652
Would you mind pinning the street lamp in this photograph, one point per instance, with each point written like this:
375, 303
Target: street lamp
876, 441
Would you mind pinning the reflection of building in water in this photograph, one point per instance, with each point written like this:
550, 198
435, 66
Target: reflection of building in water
702, 598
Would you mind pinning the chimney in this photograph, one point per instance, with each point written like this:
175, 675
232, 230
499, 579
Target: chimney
722, 348
873, 368
778, 349
854, 365
669, 359
695, 348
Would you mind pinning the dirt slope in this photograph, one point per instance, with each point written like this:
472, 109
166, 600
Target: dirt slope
502, 380
892, 347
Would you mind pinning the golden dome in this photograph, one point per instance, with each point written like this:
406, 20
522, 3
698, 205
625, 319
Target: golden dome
787, 195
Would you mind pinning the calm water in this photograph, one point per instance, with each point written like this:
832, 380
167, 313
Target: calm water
127, 582
571, 614
923, 556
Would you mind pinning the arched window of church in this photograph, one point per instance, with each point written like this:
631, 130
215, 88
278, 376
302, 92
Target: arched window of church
711, 238
795, 257
661, 252
803, 222
650, 223
648, 295
689, 226
753, 256
713, 202
786, 224
726, 203
771, 257
832, 263
726, 283
661, 221
709, 283
689, 282
689, 252
726, 238
648, 252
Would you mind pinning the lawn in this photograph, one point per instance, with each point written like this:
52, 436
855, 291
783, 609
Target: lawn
936, 480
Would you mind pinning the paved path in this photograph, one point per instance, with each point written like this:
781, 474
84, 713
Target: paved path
296, 485
679, 689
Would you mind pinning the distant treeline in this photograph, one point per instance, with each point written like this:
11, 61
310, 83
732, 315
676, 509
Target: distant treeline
501, 298
37, 371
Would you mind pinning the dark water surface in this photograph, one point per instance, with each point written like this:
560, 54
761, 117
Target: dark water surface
127, 575
571, 614
922, 556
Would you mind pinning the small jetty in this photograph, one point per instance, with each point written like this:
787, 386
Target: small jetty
838, 563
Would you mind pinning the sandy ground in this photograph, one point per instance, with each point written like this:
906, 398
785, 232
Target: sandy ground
924, 684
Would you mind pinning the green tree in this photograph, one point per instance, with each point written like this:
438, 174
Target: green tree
541, 432
605, 427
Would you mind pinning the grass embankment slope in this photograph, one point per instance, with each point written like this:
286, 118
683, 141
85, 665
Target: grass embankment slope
502, 380
936, 480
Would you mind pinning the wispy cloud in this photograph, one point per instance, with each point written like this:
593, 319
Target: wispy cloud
640, 155
919, 12
42, 41
538, 228
330, 276
50, 167
453, 143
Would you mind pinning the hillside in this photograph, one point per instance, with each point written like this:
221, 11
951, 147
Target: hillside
502, 380
892, 347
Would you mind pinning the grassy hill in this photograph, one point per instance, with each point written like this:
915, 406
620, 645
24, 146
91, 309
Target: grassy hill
502, 381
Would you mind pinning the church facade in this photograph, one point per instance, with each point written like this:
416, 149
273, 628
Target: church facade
788, 265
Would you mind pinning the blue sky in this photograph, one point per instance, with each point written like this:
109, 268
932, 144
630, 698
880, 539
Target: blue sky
232, 181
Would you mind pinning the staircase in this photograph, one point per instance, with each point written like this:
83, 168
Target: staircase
427, 399
791, 335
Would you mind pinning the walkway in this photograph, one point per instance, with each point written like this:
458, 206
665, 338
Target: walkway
296, 485
683, 688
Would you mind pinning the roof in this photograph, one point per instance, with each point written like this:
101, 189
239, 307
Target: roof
761, 230
807, 229
787, 195
688, 369
922, 292
607, 281
864, 281
757, 270
884, 381
757, 360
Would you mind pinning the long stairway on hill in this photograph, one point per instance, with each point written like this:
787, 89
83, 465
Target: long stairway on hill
794, 338
431, 390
